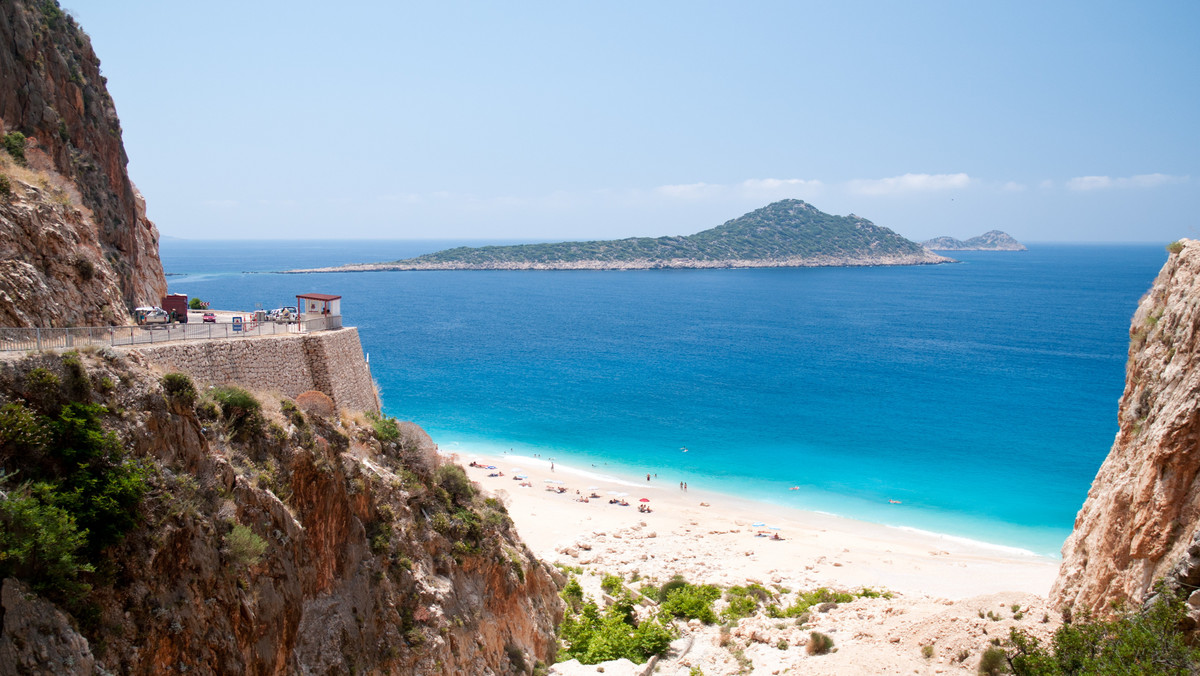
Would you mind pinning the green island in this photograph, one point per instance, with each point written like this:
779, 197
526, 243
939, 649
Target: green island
788, 233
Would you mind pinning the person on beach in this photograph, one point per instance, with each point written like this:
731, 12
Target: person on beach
647, 478
551, 467
680, 485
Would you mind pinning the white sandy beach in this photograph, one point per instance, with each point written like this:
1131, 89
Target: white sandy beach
942, 584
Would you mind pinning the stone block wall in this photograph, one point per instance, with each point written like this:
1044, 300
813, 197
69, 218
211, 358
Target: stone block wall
328, 361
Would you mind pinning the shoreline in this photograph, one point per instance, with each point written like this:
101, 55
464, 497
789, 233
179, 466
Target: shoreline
723, 538
923, 520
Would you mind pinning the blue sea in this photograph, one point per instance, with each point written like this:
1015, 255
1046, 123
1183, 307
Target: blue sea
982, 395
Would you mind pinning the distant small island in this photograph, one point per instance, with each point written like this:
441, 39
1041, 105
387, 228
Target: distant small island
788, 233
992, 240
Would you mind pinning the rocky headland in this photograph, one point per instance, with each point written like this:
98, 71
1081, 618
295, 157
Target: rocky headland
1141, 519
992, 240
784, 234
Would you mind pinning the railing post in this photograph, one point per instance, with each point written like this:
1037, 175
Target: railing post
38, 334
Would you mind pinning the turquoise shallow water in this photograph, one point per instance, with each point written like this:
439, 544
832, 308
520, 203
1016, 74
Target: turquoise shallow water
982, 395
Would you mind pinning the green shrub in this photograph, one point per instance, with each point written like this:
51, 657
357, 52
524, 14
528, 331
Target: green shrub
743, 601
42, 389
816, 597
179, 389
97, 485
572, 593
1175, 247
386, 429
676, 582
453, 479
85, 268
613, 584
593, 636
41, 544
692, 602
244, 546
818, 643
993, 662
14, 144
6, 190
241, 411
197, 304
649, 591
1151, 641
927, 651
22, 432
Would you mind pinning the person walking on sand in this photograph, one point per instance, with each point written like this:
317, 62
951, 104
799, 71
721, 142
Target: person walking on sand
680, 485
552, 467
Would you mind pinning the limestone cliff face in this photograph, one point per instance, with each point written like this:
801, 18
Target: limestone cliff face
374, 559
1143, 509
73, 216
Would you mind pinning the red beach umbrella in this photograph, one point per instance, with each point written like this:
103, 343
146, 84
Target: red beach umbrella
644, 500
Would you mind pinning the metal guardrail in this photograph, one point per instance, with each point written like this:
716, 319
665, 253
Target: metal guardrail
25, 340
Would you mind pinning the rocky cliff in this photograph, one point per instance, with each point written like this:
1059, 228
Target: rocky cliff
73, 229
1143, 510
243, 535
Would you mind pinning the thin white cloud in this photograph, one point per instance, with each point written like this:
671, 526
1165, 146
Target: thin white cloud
1085, 183
780, 184
690, 190
1013, 186
908, 183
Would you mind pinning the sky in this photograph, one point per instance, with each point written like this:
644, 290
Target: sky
1052, 121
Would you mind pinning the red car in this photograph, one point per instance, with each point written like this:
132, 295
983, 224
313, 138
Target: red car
209, 318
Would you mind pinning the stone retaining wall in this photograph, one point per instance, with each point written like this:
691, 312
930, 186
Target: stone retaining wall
329, 361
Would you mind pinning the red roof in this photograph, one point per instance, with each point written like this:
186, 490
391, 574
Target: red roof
318, 296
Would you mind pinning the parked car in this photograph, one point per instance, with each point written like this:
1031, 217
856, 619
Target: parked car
209, 318
156, 316
282, 314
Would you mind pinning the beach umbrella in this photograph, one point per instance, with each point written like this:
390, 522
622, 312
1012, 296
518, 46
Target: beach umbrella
774, 527
644, 500
757, 524
549, 481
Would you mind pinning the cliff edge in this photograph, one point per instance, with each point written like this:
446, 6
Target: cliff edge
223, 532
1143, 510
73, 229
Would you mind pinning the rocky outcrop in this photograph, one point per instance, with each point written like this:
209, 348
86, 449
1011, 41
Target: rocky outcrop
992, 240
71, 218
317, 545
1143, 510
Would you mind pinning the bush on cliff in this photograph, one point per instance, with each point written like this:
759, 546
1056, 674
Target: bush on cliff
1151, 641
40, 543
241, 411
14, 144
179, 389
79, 493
